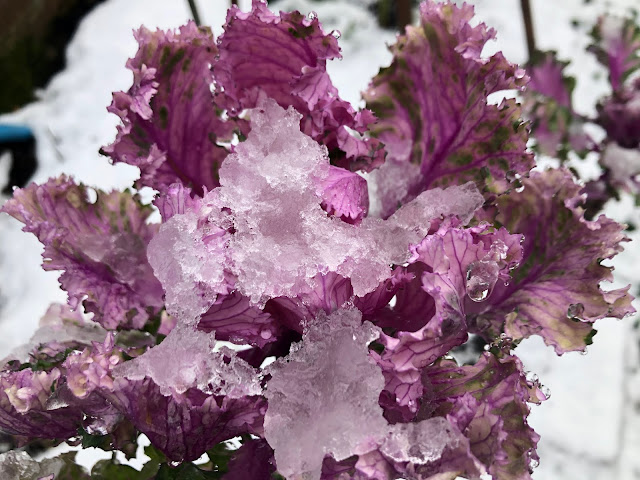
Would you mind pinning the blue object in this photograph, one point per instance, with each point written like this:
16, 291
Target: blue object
15, 133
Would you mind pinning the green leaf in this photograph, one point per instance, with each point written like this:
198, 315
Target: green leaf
186, 471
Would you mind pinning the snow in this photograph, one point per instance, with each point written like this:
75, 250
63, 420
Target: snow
271, 187
589, 427
323, 397
323, 400
186, 359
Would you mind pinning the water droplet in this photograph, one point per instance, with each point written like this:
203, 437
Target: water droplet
478, 291
511, 176
520, 189
175, 463
534, 463
487, 347
266, 334
546, 392
336, 34
584, 352
575, 310
312, 15
532, 378
481, 277
498, 251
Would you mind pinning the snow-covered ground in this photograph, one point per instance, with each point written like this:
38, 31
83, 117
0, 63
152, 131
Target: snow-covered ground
590, 427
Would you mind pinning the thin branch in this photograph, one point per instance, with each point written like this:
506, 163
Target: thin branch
194, 12
403, 14
528, 26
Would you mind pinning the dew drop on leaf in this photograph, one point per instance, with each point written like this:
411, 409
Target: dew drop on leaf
546, 392
481, 278
531, 378
575, 310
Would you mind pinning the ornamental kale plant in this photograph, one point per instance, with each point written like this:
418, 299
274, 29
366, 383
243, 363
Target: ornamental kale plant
613, 134
347, 310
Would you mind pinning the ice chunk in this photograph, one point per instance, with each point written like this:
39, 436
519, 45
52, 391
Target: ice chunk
323, 400
460, 200
185, 359
18, 465
419, 443
282, 238
187, 256
264, 232
323, 397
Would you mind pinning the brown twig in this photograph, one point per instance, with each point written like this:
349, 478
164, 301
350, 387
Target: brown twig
403, 13
194, 12
528, 26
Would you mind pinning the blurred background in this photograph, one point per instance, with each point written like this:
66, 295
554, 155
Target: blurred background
60, 60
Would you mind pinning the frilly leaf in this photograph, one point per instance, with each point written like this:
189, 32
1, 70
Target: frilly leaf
284, 56
100, 247
488, 402
435, 121
172, 129
556, 291
556, 128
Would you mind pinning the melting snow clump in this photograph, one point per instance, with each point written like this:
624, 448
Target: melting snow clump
185, 359
323, 400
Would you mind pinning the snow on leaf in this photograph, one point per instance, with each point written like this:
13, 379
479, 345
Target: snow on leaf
180, 413
325, 380
284, 56
435, 121
264, 232
556, 291
188, 257
18, 465
171, 125
323, 401
59, 328
185, 360
99, 246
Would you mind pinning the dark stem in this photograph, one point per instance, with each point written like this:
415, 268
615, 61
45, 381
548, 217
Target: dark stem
234, 2
528, 26
403, 13
194, 12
